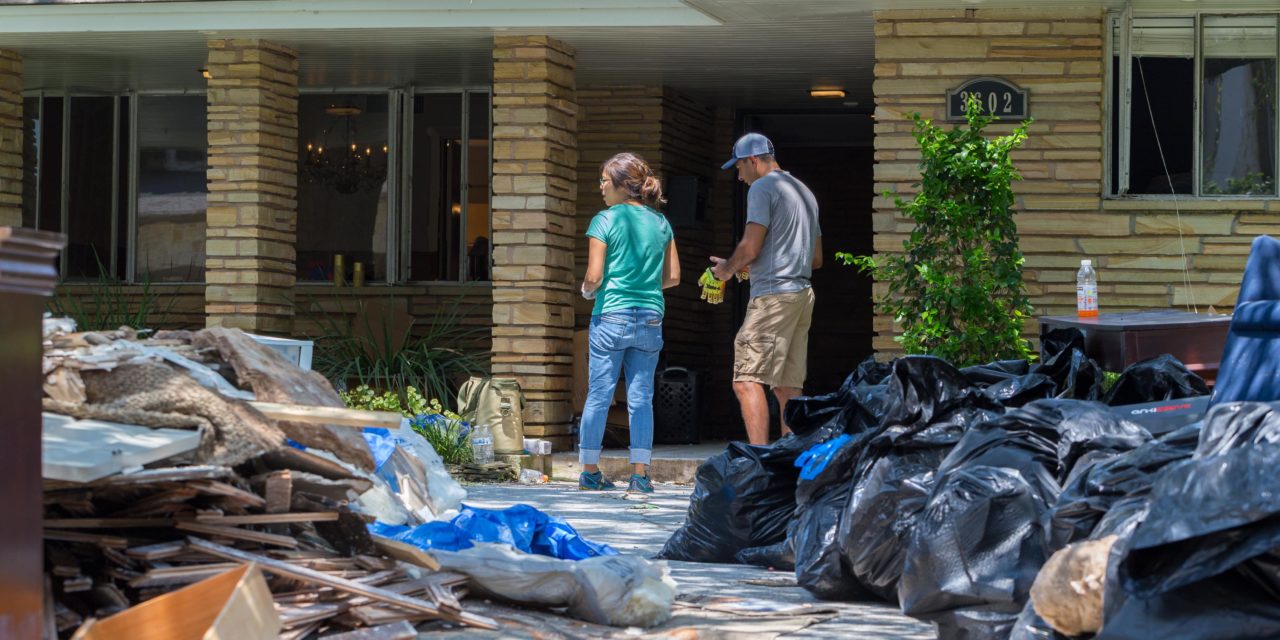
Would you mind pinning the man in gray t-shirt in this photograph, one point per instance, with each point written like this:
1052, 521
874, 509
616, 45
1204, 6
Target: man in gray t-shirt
781, 245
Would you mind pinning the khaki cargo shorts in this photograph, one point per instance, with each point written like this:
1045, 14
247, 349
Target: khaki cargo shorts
772, 346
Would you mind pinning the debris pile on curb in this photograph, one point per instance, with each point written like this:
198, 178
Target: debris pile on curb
205, 460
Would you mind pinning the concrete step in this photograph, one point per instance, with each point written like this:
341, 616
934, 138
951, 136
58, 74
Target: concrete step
675, 463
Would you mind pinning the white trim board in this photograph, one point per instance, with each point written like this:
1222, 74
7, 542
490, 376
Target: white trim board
85, 450
213, 17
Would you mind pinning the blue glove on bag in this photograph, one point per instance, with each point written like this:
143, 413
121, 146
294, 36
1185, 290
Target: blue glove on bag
815, 458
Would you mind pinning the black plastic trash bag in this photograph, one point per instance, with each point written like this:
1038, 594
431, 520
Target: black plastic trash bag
880, 513
1205, 563
779, 555
1076, 376
820, 568
1232, 425
983, 375
974, 553
742, 497
1160, 378
856, 406
1095, 491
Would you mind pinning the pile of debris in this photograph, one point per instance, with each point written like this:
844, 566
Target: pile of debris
191, 455
949, 491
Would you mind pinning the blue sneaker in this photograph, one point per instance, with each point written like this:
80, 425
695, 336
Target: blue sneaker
640, 484
594, 481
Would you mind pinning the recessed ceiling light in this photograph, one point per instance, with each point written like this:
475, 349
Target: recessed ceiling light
826, 93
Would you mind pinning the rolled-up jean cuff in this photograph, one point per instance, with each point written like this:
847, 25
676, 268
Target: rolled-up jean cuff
641, 456
589, 456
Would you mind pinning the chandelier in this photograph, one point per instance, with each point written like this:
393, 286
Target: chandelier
348, 167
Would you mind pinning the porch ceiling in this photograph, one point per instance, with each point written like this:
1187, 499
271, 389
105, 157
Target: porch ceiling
745, 53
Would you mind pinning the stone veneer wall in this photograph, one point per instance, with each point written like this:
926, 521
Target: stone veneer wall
535, 156
10, 138
253, 184
1058, 54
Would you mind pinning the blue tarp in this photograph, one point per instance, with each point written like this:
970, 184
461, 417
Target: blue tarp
520, 526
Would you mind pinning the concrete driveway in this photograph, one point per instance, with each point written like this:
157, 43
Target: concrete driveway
641, 525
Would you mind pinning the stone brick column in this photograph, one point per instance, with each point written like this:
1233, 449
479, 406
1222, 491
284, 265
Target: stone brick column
534, 173
253, 183
10, 139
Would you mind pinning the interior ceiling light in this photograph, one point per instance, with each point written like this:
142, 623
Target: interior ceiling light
826, 93
205, 73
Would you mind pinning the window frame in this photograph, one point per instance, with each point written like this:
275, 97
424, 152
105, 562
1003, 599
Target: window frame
404, 224
399, 171
1119, 141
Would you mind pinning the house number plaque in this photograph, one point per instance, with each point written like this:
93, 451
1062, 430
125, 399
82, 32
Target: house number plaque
999, 98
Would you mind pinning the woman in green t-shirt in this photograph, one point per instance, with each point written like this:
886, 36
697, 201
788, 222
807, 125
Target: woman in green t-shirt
632, 258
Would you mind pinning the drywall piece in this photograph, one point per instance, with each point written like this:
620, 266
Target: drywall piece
85, 450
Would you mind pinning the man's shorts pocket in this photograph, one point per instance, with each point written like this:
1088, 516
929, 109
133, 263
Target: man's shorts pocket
753, 356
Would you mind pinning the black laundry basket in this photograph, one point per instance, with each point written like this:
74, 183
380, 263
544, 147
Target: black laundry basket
676, 406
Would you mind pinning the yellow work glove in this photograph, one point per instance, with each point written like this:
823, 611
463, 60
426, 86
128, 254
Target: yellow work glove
712, 287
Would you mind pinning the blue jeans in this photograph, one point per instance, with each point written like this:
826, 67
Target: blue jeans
628, 340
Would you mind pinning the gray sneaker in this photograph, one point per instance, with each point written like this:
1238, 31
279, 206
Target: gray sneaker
639, 484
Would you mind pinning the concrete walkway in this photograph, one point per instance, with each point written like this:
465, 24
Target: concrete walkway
641, 525
671, 462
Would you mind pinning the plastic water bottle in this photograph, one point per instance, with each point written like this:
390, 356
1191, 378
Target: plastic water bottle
1086, 290
482, 444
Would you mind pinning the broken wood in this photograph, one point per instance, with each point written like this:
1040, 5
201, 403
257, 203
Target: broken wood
274, 379
329, 415
405, 552
166, 576
107, 523
270, 518
315, 577
234, 605
397, 631
88, 538
238, 534
158, 551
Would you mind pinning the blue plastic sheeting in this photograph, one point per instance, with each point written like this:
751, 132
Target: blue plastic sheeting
1250, 364
520, 526
381, 444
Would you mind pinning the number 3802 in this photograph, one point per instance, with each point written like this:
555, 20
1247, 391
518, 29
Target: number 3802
991, 101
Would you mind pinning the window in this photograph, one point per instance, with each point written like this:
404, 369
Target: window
1194, 105
395, 180
344, 194
445, 233
173, 191
74, 151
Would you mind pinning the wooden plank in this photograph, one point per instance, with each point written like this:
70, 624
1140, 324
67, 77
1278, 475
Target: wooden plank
158, 551
167, 474
170, 576
329, 415
89, 538
405, 552
271, 518
397, 631
107, 523
234, 604
348, 586
278, 491
239, 534
216, 488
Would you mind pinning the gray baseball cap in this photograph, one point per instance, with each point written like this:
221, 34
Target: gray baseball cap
752, 144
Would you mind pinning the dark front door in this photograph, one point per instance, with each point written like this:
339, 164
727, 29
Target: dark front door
832, 153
